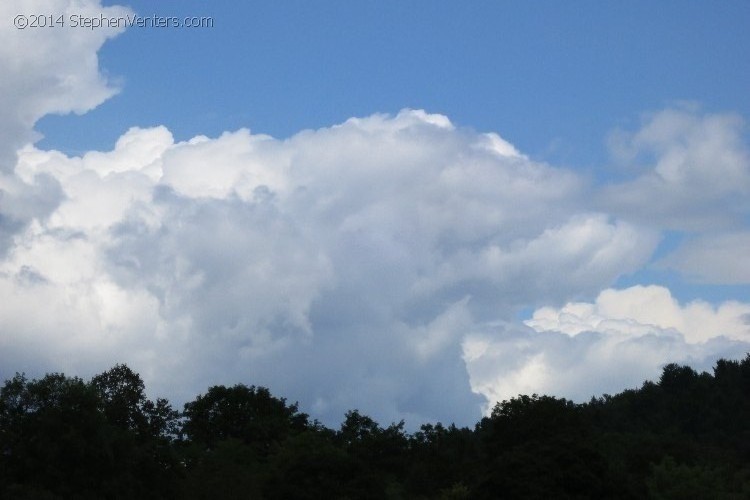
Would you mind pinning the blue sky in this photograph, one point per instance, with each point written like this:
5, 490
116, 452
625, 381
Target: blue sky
411, 208
550, 77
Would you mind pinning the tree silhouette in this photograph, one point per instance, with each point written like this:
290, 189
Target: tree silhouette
249, 414
685, 436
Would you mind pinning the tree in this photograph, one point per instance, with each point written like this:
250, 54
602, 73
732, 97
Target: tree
121, 392
442, 461
228, 435
672, 481
310, 466
249, 414
54, 439
379, 454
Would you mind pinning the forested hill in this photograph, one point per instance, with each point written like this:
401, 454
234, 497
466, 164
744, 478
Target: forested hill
686, 436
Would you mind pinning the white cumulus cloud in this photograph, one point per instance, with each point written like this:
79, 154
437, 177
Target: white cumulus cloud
43, 71
584, 349
363, 251
49, 70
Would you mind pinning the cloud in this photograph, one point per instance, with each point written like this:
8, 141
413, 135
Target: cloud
44, 71
585, 349
696, 172
639, 309
362, 252
49, 70
713, 258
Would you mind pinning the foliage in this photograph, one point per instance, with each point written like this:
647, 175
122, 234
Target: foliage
63, 437
249, 414
685, 436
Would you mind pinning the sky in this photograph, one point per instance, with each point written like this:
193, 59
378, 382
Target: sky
415, 209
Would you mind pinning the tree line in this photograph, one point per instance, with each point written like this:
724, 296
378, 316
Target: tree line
685, 436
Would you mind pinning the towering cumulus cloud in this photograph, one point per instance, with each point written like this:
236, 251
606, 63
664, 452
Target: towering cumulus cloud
43, 71
376, 264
